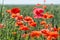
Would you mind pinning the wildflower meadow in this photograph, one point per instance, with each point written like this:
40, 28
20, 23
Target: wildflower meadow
30, 22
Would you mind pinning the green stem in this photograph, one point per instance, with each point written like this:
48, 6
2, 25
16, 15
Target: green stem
1, 11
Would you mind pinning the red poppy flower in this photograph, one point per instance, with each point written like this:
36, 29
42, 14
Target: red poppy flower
53, 34
24, 28
43, 22
38, 12
45, 32
45, 16
50, 16
28, 19
8, 11
35, 34
19, 17
33, 24
55, 29
19, 23
15, 10
13, 15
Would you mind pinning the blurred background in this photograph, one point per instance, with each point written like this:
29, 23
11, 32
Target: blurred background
29, 2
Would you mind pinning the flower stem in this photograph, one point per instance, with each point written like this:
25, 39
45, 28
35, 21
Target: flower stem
1, 11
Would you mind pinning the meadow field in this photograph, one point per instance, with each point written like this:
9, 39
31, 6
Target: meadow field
11, 32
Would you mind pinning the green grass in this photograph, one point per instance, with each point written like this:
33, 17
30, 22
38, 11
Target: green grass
26, 10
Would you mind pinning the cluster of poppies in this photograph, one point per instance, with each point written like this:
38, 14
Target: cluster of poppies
27, 23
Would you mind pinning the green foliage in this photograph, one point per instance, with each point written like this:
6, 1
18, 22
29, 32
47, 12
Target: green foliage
26, 10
